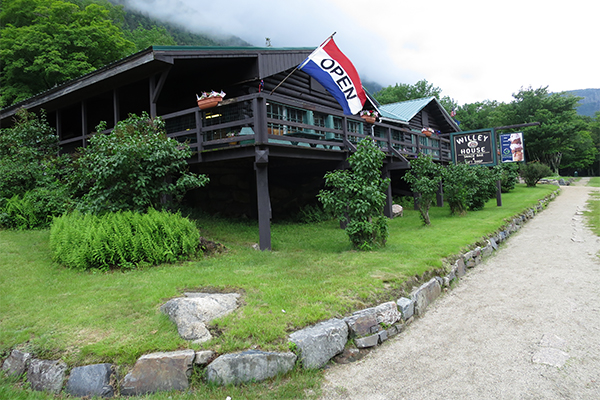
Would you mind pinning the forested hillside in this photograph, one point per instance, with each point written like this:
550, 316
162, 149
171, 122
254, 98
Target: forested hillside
590, 104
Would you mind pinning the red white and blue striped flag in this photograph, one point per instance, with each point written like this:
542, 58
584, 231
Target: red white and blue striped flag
332, 69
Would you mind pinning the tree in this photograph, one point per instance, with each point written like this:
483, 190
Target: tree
46, 42
144, 38
424, 178
404, 92
558, 127
134, 167
32, 187
358, 196
480, 115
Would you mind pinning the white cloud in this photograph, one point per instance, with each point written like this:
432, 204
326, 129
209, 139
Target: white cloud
472, 50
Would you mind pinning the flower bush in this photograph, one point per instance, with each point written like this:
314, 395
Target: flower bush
369, 113
206, 95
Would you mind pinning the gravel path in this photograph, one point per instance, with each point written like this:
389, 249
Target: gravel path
525, 324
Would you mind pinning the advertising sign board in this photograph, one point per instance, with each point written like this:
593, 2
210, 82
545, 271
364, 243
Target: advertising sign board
511, 147
474, 147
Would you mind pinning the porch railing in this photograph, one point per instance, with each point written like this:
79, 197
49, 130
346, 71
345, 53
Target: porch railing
271, 119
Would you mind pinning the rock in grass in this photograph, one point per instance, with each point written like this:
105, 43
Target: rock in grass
159, 372
17, 362
193, 312
46, 375
319, 343
91, 380
249, 366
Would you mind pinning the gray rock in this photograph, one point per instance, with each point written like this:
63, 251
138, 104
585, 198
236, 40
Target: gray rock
249, 366
493, 244
397, 211
460, 268
319, 343
361, 324
203, 357
159, 372
407, 307
91, 380
367, 321
46, 375
16, 364
425, 295
383, 336
367, 341
487, 250
193, 312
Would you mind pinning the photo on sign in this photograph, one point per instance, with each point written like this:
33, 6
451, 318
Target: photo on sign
511, 147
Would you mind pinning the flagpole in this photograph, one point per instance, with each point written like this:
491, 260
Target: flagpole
298, 66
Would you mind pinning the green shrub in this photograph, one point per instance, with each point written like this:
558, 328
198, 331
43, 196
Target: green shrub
134, 167
424, 178
509, 175
532, 172
122, 240
357, 196
468, 187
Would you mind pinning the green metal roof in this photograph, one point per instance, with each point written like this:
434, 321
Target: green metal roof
405, 110
230, 48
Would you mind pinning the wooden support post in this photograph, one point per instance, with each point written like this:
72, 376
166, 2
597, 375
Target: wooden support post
84, 123
387, 210
116, 116
499, 193
261, 166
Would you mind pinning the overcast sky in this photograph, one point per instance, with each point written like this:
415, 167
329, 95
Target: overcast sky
473, 50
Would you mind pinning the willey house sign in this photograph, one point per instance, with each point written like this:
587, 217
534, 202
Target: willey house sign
474, 147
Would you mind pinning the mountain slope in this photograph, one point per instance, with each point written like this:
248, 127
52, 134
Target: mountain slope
590, 104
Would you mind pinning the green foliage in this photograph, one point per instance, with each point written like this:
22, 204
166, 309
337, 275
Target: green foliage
134, 167
532, 172
46, 42
313, 213
480, 115
509, 175
154, 36
404, 91
358, 196
424, 178
468, 187
122, 240
31, 187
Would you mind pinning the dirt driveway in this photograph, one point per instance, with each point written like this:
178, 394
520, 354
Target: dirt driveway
525, 324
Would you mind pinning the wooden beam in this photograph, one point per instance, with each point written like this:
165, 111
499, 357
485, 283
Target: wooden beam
261, 166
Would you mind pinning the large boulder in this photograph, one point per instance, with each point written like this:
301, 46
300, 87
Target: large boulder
192, 313
159, 372
46, 375
425, 295
91, 380
17, 362
249, 366
319, 343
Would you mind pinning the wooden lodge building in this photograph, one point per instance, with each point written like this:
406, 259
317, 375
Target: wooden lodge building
265, 153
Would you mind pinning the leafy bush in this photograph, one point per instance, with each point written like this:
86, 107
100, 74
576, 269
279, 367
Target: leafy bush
484, 186
134, 167
468, 187
424, 178
509, 175
122, 240
32, 190
358, 196
532, 172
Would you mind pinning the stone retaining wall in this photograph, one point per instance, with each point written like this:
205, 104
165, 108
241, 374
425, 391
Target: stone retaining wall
313, 347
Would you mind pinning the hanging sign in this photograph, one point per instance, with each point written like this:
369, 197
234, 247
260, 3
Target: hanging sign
511, 147
474, 147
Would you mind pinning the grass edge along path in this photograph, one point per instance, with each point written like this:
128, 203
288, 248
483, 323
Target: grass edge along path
60, 317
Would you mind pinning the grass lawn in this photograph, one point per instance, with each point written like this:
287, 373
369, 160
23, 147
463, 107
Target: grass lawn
311, 275
593, 205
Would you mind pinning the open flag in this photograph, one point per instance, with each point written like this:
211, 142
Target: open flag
332, 69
